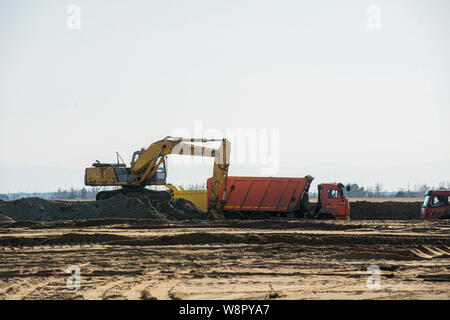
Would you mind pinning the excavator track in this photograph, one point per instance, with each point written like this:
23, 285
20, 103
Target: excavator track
152, 195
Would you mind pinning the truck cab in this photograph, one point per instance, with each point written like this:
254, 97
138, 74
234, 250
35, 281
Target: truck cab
331, 202
436, 205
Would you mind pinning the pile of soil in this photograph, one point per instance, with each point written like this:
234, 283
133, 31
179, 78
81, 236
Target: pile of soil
364, 210
388, 210
119, 206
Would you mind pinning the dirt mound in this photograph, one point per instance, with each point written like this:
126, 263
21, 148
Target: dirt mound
364, 210
388, 210
119, 206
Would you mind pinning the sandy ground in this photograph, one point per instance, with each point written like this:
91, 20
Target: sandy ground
153, 259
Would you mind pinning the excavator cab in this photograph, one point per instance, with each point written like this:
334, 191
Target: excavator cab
111, 174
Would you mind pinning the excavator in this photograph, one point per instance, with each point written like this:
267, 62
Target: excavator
148, 167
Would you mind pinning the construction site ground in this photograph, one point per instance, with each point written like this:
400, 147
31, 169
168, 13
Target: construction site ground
124, 258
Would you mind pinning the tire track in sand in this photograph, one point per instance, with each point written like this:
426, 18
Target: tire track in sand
427, 252
100, 292
164, 290
25, 288
141, 290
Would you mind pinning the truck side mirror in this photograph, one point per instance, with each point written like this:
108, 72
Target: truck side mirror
348, 188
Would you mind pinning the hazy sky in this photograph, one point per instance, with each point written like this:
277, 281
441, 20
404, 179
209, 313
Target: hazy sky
339, 93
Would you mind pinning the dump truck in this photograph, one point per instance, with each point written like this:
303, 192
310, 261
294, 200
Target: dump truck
271, 197
436, 205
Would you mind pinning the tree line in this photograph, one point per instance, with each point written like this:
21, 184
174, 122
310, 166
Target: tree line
377, 191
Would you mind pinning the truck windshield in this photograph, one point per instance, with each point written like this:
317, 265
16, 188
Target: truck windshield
426, 201
334, 194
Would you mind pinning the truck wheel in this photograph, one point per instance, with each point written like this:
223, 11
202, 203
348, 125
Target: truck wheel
259, 216
300, 214
310, 214
234, 215
447, 215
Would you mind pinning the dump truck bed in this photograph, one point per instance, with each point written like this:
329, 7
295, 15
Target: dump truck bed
266, 194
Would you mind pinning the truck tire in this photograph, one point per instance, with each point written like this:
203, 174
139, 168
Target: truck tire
234, 215
259, 215
447, 216
311, 214
300, 214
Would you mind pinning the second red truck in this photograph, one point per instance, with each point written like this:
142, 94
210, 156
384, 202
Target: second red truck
436, 205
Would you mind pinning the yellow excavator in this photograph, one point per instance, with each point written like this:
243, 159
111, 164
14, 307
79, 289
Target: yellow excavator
148, 167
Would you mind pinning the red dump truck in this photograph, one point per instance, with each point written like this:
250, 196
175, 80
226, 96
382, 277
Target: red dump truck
436, 205
264, 198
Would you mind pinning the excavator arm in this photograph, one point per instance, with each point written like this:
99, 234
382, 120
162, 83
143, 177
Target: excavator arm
145, 166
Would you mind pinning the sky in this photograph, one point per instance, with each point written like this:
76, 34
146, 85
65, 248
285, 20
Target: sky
333, 93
